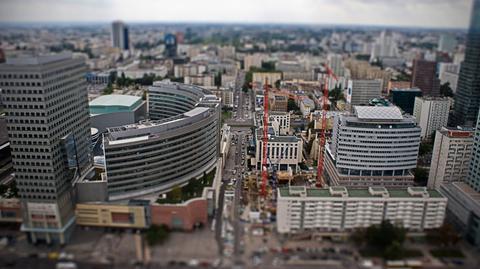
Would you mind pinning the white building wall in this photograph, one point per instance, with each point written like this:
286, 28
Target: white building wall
301, 212
450, 158
431, 114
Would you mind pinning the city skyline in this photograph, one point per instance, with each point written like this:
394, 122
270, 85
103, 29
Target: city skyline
410, 13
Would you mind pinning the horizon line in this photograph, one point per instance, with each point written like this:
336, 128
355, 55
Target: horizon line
137, 22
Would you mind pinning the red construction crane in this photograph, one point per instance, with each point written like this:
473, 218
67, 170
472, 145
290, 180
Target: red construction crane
321, 147
265, 140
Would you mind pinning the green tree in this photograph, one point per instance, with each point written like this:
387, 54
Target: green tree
175, 194
394, 251
277, 84
383, 235
218, 79
421, 176
292, 106
157, 234
444, 235
336, 95
446, 90
425, 148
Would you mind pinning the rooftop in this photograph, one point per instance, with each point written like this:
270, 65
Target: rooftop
114, 103
37, 59
378, 113
406, 90
283, 139
115, 100
371, 192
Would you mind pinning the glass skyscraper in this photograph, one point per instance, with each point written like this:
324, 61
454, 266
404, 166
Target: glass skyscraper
467, 98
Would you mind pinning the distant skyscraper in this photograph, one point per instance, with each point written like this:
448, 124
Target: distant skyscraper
467, 97
447, 43
48, 124
385, 46
120, 37
170, 45
425, 78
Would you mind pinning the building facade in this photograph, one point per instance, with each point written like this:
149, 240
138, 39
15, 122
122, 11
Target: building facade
156, 155
467, 97
301, 209
451, 155
405, 98
431, 114
114, 216
424, 77
120, 36
46, 106
282, 151
373, 146
116, 110
360, 91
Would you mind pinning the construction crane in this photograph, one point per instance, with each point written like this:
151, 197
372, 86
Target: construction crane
321, 146
265, 140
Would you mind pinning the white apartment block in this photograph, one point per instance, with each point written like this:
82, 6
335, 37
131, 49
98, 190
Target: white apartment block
431, 114
200, 80
302, 209
282, 151
451, 156
283, 119
253, 60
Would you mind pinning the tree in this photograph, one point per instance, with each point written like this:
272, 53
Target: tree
394, 251
175, 194
291, 105
425, 148
444, 235
277, 84
446, 90
421, 176
218, 79
383, 235
336, 95
157, 234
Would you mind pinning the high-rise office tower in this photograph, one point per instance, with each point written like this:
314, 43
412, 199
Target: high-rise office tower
170, 45
424, 77
473, 178
120, 37
48, 125
467, 97
447, 43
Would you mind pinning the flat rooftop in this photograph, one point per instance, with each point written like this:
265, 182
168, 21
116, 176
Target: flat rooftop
28, 59
378, 113
114, 103
371, 192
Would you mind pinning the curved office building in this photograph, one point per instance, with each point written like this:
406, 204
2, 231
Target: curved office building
178, 143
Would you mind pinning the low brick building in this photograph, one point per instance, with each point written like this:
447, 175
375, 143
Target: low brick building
183, 216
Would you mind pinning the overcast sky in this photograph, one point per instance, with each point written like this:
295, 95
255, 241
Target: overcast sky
419, 13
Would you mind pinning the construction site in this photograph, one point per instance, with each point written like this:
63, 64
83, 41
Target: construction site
287, 147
